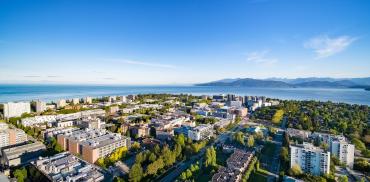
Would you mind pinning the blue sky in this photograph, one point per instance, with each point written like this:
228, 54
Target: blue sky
181, 41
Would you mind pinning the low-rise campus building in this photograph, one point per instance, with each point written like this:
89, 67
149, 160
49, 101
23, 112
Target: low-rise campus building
92, 144
11, 136
65, 167
201, 132
14, 155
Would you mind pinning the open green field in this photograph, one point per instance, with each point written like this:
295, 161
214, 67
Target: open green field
268, 149
221, 157
257, 177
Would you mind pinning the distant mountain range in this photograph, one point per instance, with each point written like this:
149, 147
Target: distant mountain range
297, 82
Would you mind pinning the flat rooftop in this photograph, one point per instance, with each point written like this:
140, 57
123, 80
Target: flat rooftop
95, 138
65, 166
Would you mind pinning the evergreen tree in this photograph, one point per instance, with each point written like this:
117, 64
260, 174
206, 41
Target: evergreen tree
183, 176
152, 157
239, 137
180, 139
210, 157
20, 174
136, 173
250, 142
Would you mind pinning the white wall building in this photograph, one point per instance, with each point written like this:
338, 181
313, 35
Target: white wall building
67, 167
234, 103
112, 99
310, 159
123, 99
38, 120
40, 106
201, 132
61, 103
64, 124
12, 109
88, 100
75, 101
345, 151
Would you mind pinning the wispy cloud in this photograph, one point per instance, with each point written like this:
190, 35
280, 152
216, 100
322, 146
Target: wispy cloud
31, 76
148, 64
139, 63
53, 76
325, 46
260, 57
109, 78
98, 72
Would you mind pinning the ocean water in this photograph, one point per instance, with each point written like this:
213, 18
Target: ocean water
55, 92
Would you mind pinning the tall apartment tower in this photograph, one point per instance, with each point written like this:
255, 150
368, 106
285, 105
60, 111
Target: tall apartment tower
345, 151
310, 159
123, 99
112, 98
40, 106
12, 109
75, 101
230, 97
88, 100
61, 103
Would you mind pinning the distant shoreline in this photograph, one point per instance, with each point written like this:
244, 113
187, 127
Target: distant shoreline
16, 93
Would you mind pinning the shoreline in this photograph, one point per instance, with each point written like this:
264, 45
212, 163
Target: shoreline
49, 93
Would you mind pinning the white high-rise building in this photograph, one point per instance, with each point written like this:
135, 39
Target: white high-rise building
111, 98
40, 106
123, 99
310, 159
12, 109
345, 151
75, 101
61, 103
88, 100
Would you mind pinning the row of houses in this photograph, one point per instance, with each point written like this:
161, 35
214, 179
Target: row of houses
16, 109
237, 163
53, 119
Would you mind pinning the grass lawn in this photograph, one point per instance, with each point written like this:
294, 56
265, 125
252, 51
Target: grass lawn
221, 157
257, 177
267, 154
204, 175
268, 149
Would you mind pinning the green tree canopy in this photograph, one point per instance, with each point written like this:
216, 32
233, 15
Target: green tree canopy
250, 142
278, 116
295, 170
210, 157
20, 174
239, 138
136, 173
